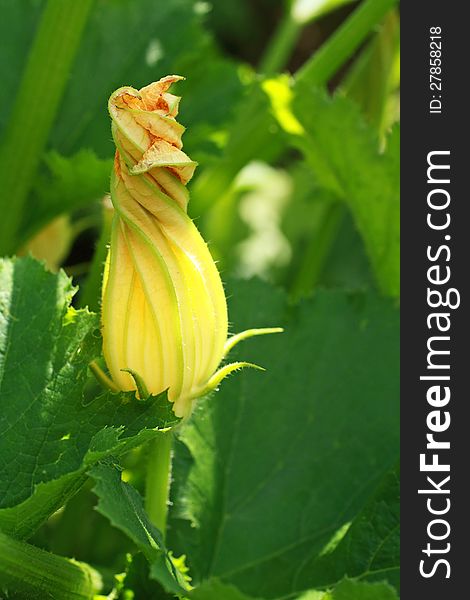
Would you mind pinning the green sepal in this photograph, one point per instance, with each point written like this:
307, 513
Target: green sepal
248, 333
223, 372
142, 391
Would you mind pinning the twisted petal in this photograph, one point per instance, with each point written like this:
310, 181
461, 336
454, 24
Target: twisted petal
164, 309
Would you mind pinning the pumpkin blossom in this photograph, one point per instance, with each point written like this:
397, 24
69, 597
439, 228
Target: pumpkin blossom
164, 312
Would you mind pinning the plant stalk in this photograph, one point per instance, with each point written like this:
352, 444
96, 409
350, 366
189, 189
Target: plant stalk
25, 569
157, 487
47, 70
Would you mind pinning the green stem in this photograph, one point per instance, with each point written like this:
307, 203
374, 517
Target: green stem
344, 42
34, 573
317, 251
102, 377
36, 104
370, 80
157, 488
281, 45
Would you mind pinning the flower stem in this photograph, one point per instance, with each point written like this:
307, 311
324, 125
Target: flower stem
281, 45
101, 376
36, 104
35, 573
157, 488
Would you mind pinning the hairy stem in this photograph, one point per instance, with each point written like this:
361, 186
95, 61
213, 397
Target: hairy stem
25, 569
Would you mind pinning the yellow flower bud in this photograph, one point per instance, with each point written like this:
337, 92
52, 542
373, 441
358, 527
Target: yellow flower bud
164, 313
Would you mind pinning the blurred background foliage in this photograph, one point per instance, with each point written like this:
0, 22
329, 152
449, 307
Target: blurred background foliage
286, 189
292, 111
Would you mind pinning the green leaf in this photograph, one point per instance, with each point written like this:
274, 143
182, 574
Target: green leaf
48, 436
172, 39
131, 43
137, 584
214, 589
357, 590
276, 464
123, 506
370, 550
353, 590
124, 43
344, 155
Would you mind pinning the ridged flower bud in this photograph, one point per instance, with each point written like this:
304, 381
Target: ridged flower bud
164, 313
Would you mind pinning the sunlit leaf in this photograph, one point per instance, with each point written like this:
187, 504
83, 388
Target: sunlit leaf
274, 466
49, 437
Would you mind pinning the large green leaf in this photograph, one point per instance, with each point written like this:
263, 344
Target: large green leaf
131, 42
123, 506
126, 42
49, 437
370, 549
272, 468
347, 589
345, 156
